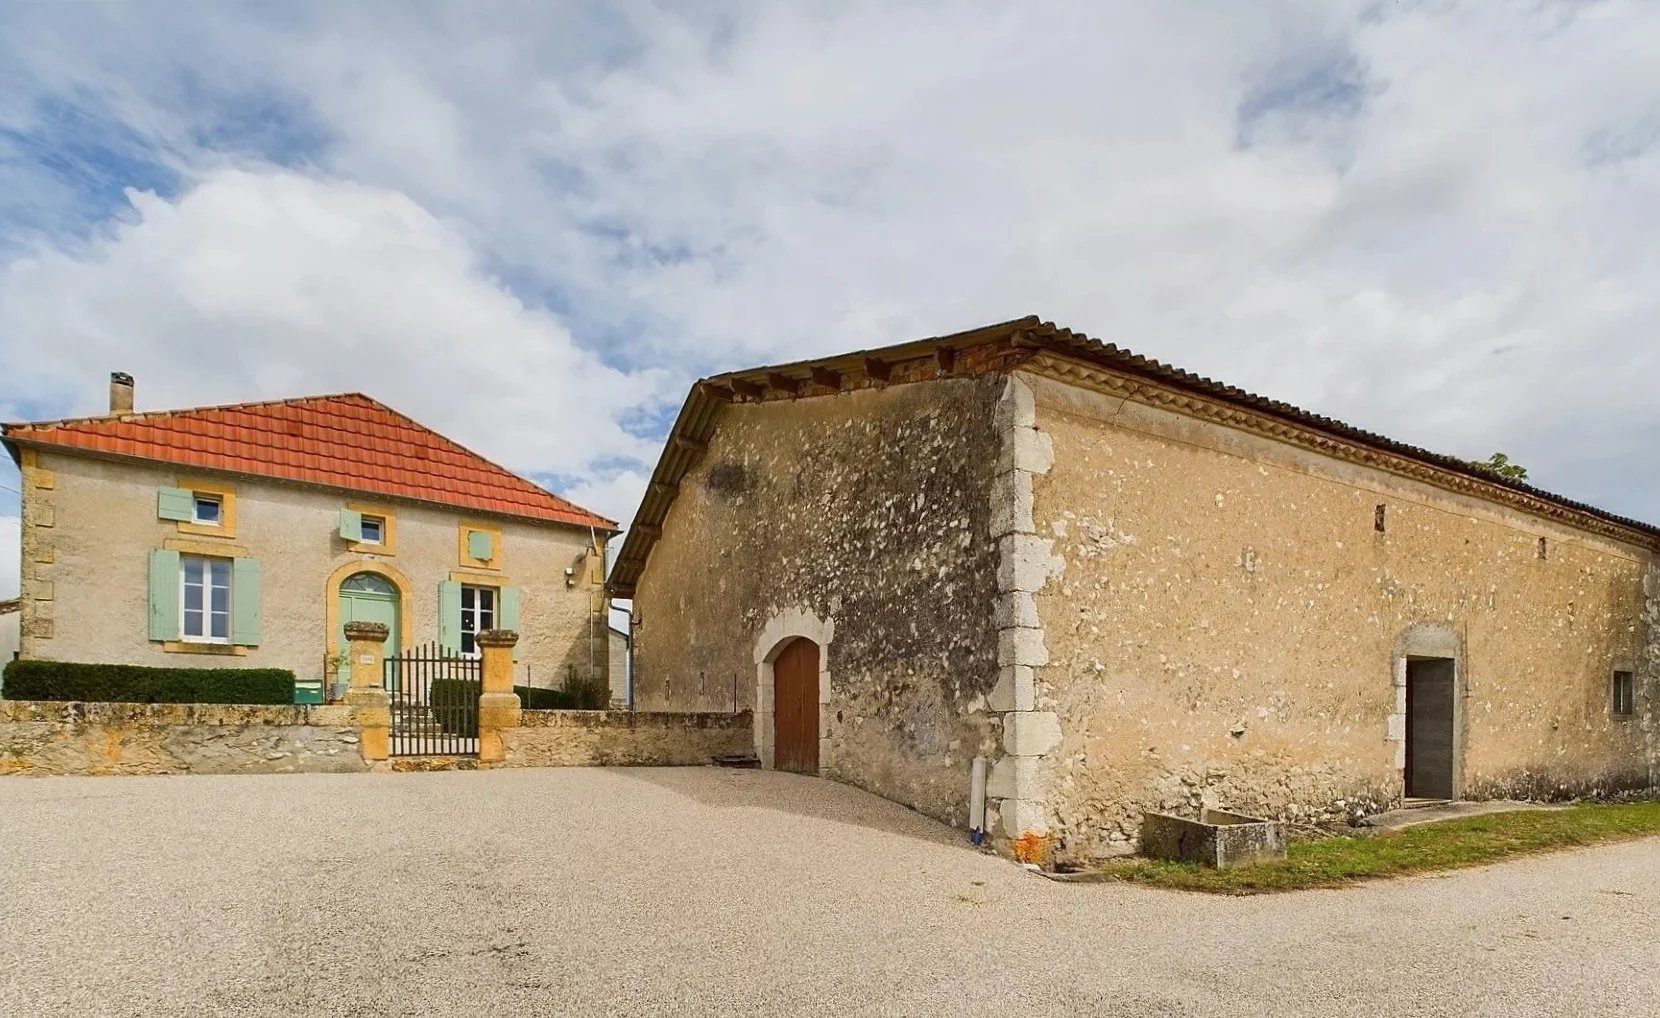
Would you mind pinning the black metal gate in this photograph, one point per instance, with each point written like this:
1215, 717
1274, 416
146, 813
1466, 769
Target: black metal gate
434, 702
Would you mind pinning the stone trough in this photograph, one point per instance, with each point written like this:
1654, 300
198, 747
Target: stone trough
1216, 838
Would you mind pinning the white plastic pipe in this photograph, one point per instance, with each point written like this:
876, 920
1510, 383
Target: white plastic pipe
977, 797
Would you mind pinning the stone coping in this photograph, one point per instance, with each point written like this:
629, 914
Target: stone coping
633, 719
373, 631
161, 714
497, 638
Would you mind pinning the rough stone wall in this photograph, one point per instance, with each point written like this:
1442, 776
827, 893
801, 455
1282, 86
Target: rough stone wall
868, 510
87, 538
1229, 625
562, 738
50, 738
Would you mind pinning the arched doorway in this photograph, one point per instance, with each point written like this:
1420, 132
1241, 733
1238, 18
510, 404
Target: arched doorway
370, 597
795, 699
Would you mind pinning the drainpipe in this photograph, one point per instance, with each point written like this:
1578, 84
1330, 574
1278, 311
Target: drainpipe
977, 800
593, 613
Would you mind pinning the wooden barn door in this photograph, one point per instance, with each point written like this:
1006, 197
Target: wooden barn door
795, 707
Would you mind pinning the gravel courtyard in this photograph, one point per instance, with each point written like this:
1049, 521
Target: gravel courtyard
701, 891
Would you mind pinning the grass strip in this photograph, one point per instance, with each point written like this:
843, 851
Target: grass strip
1427, 848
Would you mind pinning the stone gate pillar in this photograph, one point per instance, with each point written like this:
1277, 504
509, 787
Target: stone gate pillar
498, 705
370, 704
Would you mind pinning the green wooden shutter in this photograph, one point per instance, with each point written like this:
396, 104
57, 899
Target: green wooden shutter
449, 615
164, 594
178, 504
481, 545
351, 525
508, 617
245, 602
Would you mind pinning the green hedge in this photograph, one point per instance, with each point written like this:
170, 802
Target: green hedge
65, 680
454, 702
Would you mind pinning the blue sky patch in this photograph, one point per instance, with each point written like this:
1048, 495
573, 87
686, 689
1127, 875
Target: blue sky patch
1332, 87
74, 149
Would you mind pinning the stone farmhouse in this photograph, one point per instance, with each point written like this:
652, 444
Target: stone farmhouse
1129, 588
249, 535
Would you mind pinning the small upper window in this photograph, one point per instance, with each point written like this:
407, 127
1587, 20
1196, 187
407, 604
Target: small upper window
1624, 694
373, 529
207, 510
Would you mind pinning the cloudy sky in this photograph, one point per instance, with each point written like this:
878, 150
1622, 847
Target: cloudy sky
532, 225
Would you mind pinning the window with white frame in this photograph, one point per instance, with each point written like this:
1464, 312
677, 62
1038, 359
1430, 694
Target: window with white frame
207, 510
373, 529
478, 613
205, 599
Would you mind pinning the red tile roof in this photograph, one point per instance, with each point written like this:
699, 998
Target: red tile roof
346, 441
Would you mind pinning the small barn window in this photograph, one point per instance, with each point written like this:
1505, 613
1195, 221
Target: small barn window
1544, 548
1380, 517
1624, 694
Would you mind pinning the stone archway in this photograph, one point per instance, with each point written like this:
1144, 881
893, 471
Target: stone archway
795, 719
331, 596
372, 597
781, 630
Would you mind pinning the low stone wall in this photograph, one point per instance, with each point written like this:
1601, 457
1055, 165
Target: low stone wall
598, 738
50, 738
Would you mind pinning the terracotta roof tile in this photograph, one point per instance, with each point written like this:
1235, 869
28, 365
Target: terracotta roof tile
347, 441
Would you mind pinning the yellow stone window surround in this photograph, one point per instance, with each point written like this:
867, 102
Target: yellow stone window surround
464, 557
211, 550
388, 529
225, 493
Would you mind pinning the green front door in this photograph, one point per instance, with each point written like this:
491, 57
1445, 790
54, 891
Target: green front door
369, 597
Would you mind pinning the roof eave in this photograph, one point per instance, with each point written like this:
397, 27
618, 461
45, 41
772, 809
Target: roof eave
600, 523
695, 425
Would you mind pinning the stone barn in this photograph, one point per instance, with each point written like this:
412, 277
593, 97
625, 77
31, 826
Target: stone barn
1129, 588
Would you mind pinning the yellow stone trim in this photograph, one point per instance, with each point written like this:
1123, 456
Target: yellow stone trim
227, 508
35, 475
209, 548
331, 599
596, 563
187, 647
479, 579
388, 532
467, 561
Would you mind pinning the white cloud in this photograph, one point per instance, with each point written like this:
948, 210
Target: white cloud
268, 284
614, 494
1434, 220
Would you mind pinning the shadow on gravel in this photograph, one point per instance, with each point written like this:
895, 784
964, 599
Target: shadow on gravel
795, 794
